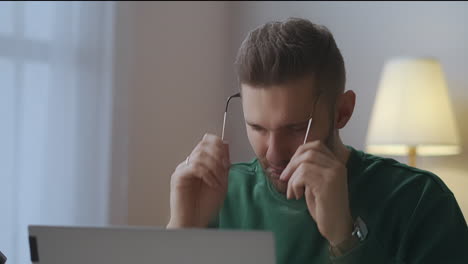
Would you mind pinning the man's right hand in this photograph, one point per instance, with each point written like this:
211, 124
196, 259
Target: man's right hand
198, 188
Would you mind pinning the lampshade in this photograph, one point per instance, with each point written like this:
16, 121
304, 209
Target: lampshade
412, 109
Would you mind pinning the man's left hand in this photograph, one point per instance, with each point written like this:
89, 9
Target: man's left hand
314, 171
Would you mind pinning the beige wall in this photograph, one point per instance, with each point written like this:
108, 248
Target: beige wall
180, 73
175, 94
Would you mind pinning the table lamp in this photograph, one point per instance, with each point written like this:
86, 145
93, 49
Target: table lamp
412, 113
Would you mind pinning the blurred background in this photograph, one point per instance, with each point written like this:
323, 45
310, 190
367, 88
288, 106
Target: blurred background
99, 101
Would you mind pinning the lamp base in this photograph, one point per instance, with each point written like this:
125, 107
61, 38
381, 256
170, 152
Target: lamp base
412, 156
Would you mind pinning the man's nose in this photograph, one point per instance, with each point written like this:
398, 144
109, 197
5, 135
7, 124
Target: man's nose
278, 153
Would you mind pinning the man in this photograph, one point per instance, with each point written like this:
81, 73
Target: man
324, 201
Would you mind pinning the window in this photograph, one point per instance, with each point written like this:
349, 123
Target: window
55, 117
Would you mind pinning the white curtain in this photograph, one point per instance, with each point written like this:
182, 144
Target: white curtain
55, 117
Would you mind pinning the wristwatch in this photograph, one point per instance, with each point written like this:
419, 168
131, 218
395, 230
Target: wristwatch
358, 235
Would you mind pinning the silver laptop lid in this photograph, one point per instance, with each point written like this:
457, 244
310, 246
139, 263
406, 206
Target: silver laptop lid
124, 245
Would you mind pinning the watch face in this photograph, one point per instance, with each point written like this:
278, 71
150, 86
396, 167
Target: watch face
359, 234
361, 229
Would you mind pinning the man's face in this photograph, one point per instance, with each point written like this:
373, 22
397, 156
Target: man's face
276, 121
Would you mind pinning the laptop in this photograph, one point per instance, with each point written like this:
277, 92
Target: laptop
144, 245
3, 259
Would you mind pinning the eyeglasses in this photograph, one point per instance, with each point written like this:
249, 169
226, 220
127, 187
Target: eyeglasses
239, 95
311, 115
225, 112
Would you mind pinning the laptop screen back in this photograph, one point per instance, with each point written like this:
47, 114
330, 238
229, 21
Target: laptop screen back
124, 245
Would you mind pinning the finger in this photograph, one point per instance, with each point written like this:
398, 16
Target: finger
310, 156
215, 166
205, 146
297, 182
319, 146
290, 193
222, 166
299, 187
310, 199
182, 164
216, 147
213, 146
307, 175
200, 171
289, 189
213, 140
221, 154
209, 156
293, 185
211, 137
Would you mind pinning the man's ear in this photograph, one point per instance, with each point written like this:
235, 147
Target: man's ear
344, 108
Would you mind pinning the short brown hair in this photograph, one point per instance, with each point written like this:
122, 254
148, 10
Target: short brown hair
281, 51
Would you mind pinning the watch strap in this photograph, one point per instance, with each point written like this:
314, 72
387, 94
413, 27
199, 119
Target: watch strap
359, 234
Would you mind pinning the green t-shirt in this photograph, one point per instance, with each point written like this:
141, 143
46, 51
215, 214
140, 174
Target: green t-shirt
411, 215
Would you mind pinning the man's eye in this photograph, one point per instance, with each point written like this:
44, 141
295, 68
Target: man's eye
257, 128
